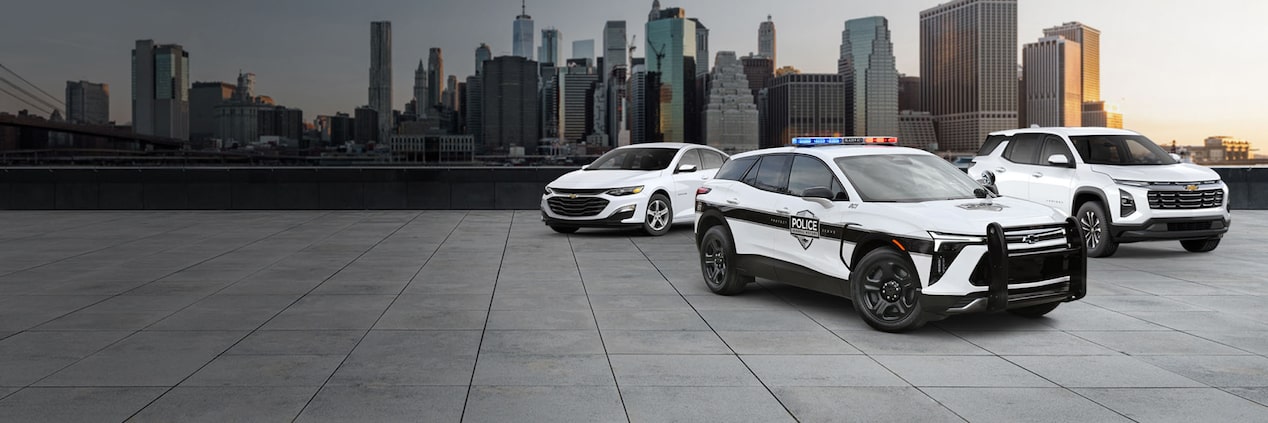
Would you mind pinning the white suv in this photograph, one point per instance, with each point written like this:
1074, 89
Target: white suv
1121, 186
903, 233
649, 186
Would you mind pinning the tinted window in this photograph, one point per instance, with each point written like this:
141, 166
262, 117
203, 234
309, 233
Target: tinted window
906, 178
989, 146
1023, 148
690, 157
712, 159
735, 169
1054, 146
1124, 150
634, 159
808, 172
772, 173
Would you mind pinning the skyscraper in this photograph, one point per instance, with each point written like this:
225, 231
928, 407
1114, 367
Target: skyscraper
766, 39
160, 90
482, 54
87, 102
380, 80
473, 107
909, 94
799, 105
522, 34
1090, 41
702, 48
450, 99
758, 69
644, 114
730, 118
1054, 89
968, 69
614, 47
583, 49
867, 62
671, 54
203, 99
576, 107
551, 51
510, 104
435, 78
420, 89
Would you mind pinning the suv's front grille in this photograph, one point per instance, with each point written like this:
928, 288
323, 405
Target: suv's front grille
1186, 199
577, 207
1035, 254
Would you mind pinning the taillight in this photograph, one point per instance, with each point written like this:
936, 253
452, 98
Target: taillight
702, 190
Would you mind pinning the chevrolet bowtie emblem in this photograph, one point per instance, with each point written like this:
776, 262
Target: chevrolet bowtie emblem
1029, 239
1190, 187
572, 195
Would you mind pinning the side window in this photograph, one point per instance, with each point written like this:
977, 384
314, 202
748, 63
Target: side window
808, 172
711, 159
1023, 148
772, 173
988, 147
734, 170
1053, 145
690, 157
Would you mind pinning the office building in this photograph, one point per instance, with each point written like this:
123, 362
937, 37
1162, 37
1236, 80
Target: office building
576, 102
435, 79
804, 105
282, 122
583, 49
342, 129
381, 79
614, 47
730, 117
1054, 92
472, 105
482, 54
203, 99
909, 93
671, 54
871, 78
766, 40
160, 90
702, 48
522, 34
1089, 40
1101, 114
551, 51
644, 115
916, 130
87, 103
237, 119
968, 69
420, 90
758, 69
510, 104
366, 120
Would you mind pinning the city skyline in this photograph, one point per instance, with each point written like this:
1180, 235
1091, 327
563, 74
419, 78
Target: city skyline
328, 39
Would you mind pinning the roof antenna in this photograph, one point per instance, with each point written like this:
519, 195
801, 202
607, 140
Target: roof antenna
523, 7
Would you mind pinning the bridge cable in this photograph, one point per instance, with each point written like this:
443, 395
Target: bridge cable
59, 101
28, 94
27, 103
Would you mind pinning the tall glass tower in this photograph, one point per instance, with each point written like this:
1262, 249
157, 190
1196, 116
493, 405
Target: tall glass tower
381, 75
968, 69
522, 34
871, 78
671, 53
160, 90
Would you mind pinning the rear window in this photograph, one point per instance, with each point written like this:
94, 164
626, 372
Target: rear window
989, 145
735, 169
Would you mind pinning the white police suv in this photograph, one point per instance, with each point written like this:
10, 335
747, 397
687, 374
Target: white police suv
902, 233
651, 186
1121, 186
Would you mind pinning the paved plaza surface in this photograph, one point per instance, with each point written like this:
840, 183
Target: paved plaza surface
490, 316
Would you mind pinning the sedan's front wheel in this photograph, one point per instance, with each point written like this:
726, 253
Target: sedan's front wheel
659, 216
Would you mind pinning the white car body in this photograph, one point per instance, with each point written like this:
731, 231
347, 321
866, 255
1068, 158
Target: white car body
584, 198
1143, 201
817, 243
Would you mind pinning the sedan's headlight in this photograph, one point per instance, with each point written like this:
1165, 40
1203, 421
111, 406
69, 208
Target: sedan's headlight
1140, 184
547, 191
624, 191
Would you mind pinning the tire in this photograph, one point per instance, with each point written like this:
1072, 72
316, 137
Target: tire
717, 262
886, 290
564, 229
1200, 245
1094, 223
659, 216
1035, 310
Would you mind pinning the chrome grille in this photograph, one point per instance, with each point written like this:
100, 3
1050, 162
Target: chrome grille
577, 207
1199, 199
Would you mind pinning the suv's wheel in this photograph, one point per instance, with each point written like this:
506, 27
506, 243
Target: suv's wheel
1035, 310
887, 291
659, 216
564, 229
1200, 245
1094, 223
717, 262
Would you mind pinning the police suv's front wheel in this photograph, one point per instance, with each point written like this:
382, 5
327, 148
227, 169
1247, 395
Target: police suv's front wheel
717, 262
887, 291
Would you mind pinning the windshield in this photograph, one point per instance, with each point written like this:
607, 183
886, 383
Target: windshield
1124, 150
906, 178
635, 159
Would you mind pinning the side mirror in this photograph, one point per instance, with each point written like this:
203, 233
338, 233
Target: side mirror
687, 168
1176, 157
818, 192
1059, 160
585, 167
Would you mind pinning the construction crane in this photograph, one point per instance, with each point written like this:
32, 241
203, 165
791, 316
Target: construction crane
633, 47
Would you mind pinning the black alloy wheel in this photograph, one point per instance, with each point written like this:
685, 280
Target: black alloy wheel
717, 262
887, 291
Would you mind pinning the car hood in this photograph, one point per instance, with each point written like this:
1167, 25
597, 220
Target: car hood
970, 217
594, 179
1181, 172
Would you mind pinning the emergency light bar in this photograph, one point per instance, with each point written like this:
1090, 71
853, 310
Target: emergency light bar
813, 141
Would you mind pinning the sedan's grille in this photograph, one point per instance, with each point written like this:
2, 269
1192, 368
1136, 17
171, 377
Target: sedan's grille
1186, 199
577, 207
582, 191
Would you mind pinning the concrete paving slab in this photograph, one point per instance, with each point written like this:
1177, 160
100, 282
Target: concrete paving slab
549, 370
820, 370
544, 319
860, 404
960, 370
1179, 405
927, 341
1217, 371
542, 342
386, 404
227, 404
76, 404
663, 342
146, 359
411, 358
226, 312
759, 320
656, 320
702, 403
1034, 343
332, 312
1259, 395
266, 370
298, 342
681, 370
1007, 405
1156, 343
787, 342
27, 357
544, 404
1102, 372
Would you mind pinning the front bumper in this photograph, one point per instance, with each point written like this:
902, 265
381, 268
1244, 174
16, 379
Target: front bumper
619, 220
1168, 229
1019, 278
581, 210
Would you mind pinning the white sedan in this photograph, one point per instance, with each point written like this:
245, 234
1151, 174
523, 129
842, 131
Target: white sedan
650, 186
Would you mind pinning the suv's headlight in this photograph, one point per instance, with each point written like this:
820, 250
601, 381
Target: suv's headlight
547, 191
624, 191
940, 238
1126, 203
1141, 184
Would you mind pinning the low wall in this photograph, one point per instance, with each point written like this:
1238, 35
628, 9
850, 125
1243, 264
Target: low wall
334, 188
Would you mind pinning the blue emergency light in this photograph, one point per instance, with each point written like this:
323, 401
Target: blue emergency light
814, 141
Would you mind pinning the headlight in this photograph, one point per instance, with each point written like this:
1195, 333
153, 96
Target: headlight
547, 191
624, 191
1126, 203
1141, 184
940, 238
943, 257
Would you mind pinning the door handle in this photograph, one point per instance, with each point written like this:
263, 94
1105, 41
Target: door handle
783, 212
1037, 175
732, 201
999, 170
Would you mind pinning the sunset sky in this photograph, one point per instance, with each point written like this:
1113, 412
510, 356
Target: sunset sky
1181, 70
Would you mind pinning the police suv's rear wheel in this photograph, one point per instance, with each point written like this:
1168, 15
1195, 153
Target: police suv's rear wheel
564, 229
1035, 310
1200, 245
717, 262
887, 291
659, 216
1094, 223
